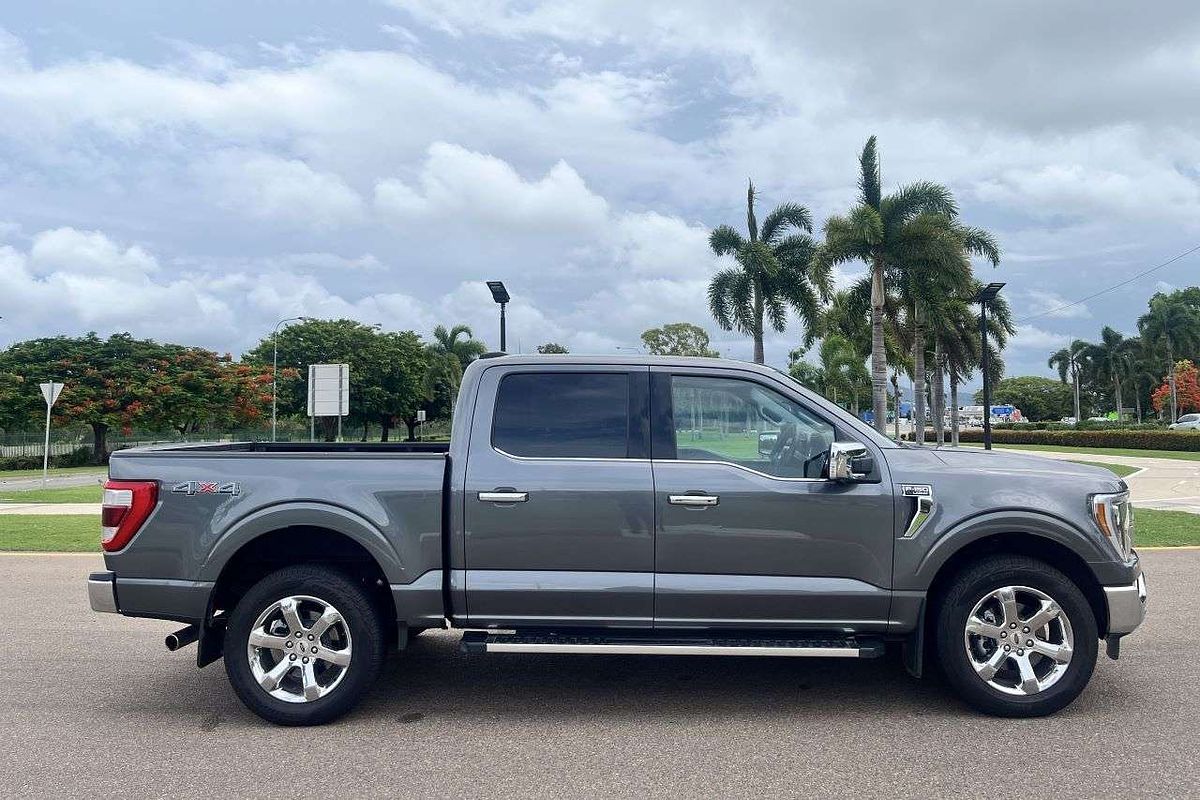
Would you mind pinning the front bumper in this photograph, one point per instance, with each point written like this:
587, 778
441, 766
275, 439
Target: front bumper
1126, 606
102, 592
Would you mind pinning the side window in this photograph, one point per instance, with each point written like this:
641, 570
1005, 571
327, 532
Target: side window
727, 419
562, 415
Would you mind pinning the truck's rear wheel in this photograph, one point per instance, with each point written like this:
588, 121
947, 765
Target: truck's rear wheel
303, 646
1016, 637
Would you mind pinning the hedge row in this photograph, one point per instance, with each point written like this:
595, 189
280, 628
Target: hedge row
80, 457
1085, 425
1133, 439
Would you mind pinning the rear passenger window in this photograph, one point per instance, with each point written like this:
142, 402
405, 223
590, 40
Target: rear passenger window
563, 415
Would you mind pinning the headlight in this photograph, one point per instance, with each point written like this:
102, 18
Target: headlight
1113, 514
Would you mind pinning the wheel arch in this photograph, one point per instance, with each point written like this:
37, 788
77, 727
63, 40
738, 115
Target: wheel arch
1018, 542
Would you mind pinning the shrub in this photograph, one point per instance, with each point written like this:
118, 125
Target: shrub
1133, 439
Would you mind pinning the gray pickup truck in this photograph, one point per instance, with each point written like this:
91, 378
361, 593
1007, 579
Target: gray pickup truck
647, 505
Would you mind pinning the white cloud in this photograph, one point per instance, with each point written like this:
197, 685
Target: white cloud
1031, 337
90, 252
469, 188
1053, 305
267, 187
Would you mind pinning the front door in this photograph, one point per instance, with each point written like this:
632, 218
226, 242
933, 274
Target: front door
559, 504
750, 533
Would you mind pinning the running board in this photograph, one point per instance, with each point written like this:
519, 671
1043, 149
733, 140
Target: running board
837, 647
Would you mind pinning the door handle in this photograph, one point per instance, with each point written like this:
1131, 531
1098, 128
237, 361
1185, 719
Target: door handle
694, 500
503, 497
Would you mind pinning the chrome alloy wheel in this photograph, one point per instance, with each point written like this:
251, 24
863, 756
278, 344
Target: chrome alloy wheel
299, 649
1019, 640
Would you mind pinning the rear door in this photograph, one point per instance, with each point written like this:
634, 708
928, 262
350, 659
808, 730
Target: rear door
559, 503
750, 532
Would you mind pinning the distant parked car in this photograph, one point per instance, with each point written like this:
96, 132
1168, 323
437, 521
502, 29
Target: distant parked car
1188, 422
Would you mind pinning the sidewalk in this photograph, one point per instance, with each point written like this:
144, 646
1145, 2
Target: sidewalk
50, 509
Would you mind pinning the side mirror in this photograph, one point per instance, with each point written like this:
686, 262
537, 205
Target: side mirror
849, 461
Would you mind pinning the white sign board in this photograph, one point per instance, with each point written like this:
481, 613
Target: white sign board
420, 415
51, 391
328, 390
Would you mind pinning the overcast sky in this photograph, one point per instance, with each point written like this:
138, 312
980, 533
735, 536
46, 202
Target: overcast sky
193, 172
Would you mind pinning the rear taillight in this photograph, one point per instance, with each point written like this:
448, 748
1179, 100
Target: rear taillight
126, 506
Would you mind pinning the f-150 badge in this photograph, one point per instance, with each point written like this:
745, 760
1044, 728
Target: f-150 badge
916, 490
191, 488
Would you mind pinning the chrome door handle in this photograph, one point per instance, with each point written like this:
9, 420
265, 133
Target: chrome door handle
503, 497
696, 500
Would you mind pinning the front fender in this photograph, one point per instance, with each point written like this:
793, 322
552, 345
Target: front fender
916, 568
309, 515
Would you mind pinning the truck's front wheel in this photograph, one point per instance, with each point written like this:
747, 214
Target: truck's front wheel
303, 646
1016, 637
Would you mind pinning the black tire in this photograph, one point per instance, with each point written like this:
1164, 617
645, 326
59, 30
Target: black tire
975, 582
361, 617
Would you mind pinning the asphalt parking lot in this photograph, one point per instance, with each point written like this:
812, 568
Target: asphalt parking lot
95, 706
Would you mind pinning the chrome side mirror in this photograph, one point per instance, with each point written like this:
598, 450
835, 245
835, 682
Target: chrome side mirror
849, 461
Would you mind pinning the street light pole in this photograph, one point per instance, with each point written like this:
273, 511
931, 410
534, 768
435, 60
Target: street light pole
501, 296
275, 370
985, 296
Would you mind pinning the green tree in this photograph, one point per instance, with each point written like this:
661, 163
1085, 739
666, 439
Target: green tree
106, 380
957, 336
395, 386
552, 348
679, 339
448, 355
1073, 361
913, 225
1110, 359
1173, 324
774, 271
325, 341
1038, 398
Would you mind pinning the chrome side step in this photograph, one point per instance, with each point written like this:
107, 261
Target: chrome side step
841, 647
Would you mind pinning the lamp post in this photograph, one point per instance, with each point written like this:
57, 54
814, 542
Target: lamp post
986, 295
275, 369
500, 295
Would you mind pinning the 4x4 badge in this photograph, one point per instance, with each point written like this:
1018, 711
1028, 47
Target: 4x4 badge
191, 488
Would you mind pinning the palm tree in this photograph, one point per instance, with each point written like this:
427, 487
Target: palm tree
1110, 360
449, 355
841, 369
1177, 326
1071, 359
466, 349
913, 224
959, 341
774, 270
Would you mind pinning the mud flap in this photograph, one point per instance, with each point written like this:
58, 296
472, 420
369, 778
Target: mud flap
211, 644
913, 649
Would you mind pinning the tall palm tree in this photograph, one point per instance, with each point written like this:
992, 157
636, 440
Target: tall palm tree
912, 224
1073, 360
774, 270
958, 339
841, 369
1176, 325
1110, 360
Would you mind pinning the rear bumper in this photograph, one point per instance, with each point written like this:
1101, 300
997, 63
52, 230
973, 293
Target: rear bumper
183, 601
102, 592
1126, 606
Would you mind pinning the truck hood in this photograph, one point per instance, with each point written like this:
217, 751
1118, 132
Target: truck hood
1015, 466
1009, 462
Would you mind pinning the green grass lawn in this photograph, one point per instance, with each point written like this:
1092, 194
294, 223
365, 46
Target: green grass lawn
37, 473
62, 494
63, 534
1184, 455
1120, 470
1154, 528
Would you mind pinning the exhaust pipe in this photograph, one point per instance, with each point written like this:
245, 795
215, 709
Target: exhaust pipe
182, 637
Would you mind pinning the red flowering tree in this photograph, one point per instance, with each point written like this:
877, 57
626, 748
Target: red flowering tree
1187, 390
